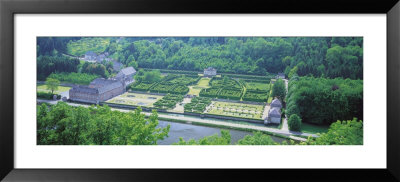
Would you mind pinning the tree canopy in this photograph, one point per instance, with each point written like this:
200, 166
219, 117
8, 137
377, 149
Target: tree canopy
62, 124
323, 100
318, 56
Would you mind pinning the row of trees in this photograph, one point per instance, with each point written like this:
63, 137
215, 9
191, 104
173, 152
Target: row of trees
317, 56
52, 64
323, 101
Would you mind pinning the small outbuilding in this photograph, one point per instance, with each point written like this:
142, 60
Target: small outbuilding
276, 103
210, 72
126, 75
274, 116
280, 76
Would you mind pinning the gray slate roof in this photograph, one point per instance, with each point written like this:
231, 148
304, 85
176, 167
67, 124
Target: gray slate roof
274, 112
103, 85
84, 89
111, 86
126, 71
209, 69
276, 103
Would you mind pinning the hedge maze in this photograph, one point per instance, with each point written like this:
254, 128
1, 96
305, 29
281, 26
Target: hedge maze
168, 102
197, 105
173, 84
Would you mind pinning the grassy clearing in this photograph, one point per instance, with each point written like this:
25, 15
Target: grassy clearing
236, 110
43, 88
136, 99
195, 89
310, 128
204, 82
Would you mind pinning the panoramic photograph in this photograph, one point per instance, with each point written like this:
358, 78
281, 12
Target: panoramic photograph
199, 91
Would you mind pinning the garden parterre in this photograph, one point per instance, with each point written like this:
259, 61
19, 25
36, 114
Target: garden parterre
241, 110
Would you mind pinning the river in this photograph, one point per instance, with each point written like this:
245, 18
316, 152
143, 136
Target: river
189, 131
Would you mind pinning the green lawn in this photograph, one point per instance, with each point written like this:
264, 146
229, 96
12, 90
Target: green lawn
310, 128
203, 83
43, 88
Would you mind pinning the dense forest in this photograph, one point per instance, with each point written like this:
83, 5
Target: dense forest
324, 101
317, 56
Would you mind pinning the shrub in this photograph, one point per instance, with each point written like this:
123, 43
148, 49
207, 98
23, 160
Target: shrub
294, 123
76, 78
48, 96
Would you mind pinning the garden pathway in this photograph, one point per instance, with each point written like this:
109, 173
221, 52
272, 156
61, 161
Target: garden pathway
285, 126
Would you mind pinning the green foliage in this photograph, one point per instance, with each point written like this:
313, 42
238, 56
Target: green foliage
237, 55
75, 78
294, 123
95, 44
258, 138
224, 139
279, 89
197, 104
169, 88
168, 102
52, 84
345, 62
323, 101
230, 94
45, 95
255, 96
62, 124
95, 68
152, 76
52, 64
209, 92
141, 86
341, 133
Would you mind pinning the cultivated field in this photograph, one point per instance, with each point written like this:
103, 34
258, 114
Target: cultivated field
240, 110
43, 88
136, 99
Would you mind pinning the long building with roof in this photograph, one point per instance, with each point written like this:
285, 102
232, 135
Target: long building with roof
101, 89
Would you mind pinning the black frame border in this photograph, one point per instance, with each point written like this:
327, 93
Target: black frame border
8, 8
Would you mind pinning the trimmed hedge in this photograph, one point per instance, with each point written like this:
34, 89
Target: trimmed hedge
209, 92
48, 96
256, 96
197, 105
168, 102
230, 94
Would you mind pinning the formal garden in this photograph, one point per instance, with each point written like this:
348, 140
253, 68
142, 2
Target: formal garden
136, 99
168, 102
241, 110
197, 104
